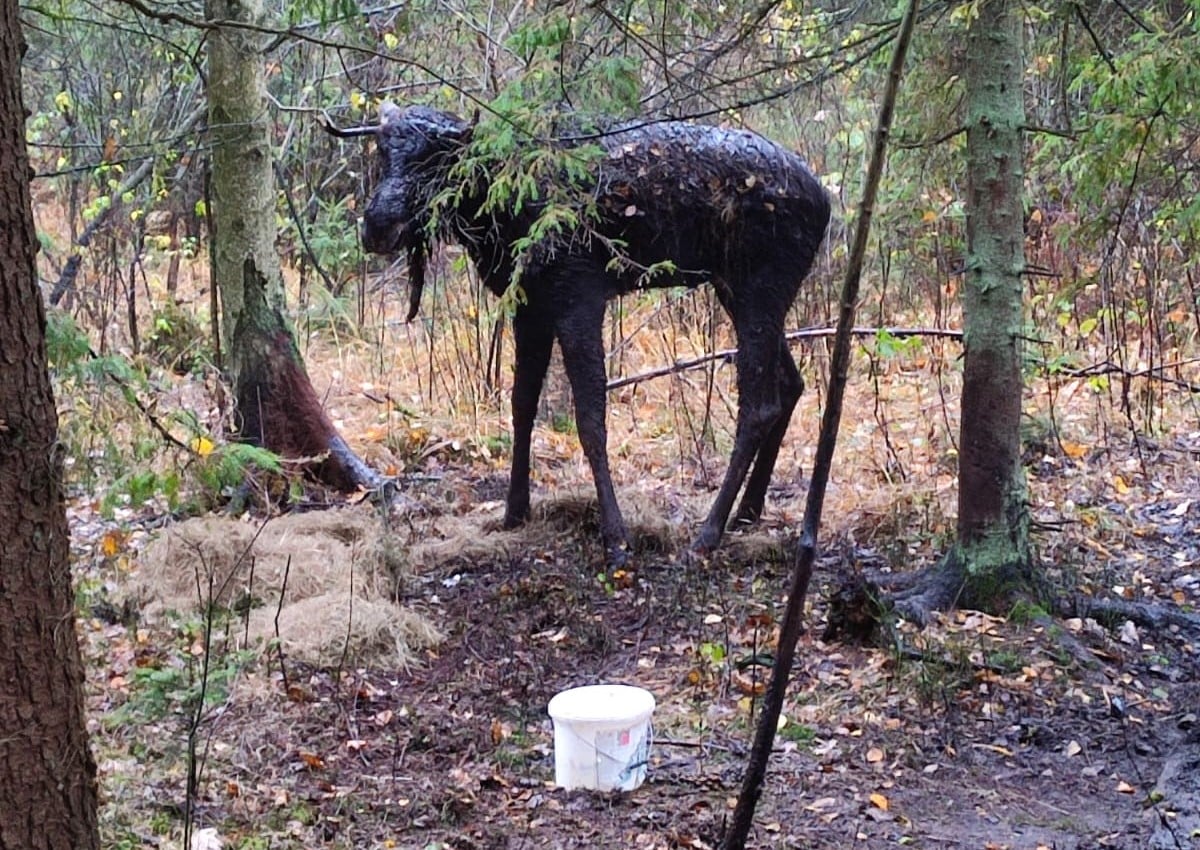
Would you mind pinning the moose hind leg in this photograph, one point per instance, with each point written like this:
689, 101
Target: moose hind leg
791, 387
579, 338
759, 410
534, 340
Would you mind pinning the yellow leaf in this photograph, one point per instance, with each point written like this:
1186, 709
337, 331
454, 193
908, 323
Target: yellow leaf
929, 217
202, 446
110, 544
390, 40
1074, 450
880, 802
376, 433
1119, 485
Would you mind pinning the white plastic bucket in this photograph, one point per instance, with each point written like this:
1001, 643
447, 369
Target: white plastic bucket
601, 737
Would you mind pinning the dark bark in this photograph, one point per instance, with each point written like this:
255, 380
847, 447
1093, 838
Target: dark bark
48, 793
277, 404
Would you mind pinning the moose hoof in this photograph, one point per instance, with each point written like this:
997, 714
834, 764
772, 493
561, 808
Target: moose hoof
617, 557
515, 519
704, 544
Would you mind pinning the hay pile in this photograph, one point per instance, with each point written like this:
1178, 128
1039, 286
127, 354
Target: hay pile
328, 577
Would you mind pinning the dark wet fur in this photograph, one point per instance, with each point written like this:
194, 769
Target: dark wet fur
725, 206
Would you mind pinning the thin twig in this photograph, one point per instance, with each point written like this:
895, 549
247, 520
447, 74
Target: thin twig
287, 570
1153, 372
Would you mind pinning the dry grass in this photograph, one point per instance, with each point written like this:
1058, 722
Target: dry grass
321, 583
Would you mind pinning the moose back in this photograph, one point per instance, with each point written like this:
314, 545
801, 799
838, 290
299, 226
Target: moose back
707, 204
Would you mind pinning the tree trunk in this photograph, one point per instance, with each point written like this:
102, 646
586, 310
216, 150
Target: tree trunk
47, 776
277, 405
991, 559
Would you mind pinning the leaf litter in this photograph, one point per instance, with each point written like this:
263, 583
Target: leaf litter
976, 732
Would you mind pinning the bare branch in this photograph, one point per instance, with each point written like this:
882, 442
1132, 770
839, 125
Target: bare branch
803, 333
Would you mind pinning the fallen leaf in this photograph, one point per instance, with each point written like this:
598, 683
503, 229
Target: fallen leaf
874, 756
1125, 788
879, 801
1074, 450
110, 544
1073, 749
748, 685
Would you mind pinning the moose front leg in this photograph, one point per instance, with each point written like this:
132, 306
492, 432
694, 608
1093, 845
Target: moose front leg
534, 338
579, 338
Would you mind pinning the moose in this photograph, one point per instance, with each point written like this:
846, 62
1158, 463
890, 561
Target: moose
672, 204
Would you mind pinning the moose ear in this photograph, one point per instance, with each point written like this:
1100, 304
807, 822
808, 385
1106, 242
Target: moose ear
389, 113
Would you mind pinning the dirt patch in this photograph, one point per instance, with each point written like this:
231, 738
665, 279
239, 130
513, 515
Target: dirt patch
321, 583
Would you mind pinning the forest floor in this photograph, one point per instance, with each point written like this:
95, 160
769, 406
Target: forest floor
976, 732
1022, 732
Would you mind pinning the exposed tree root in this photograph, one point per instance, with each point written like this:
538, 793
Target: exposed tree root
1113, 612
916, 596
920, 594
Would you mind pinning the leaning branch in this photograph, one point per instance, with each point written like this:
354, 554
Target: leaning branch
1157, 373
802, 562
803, 333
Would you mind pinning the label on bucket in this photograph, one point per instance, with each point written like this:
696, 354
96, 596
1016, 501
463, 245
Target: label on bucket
621, 760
